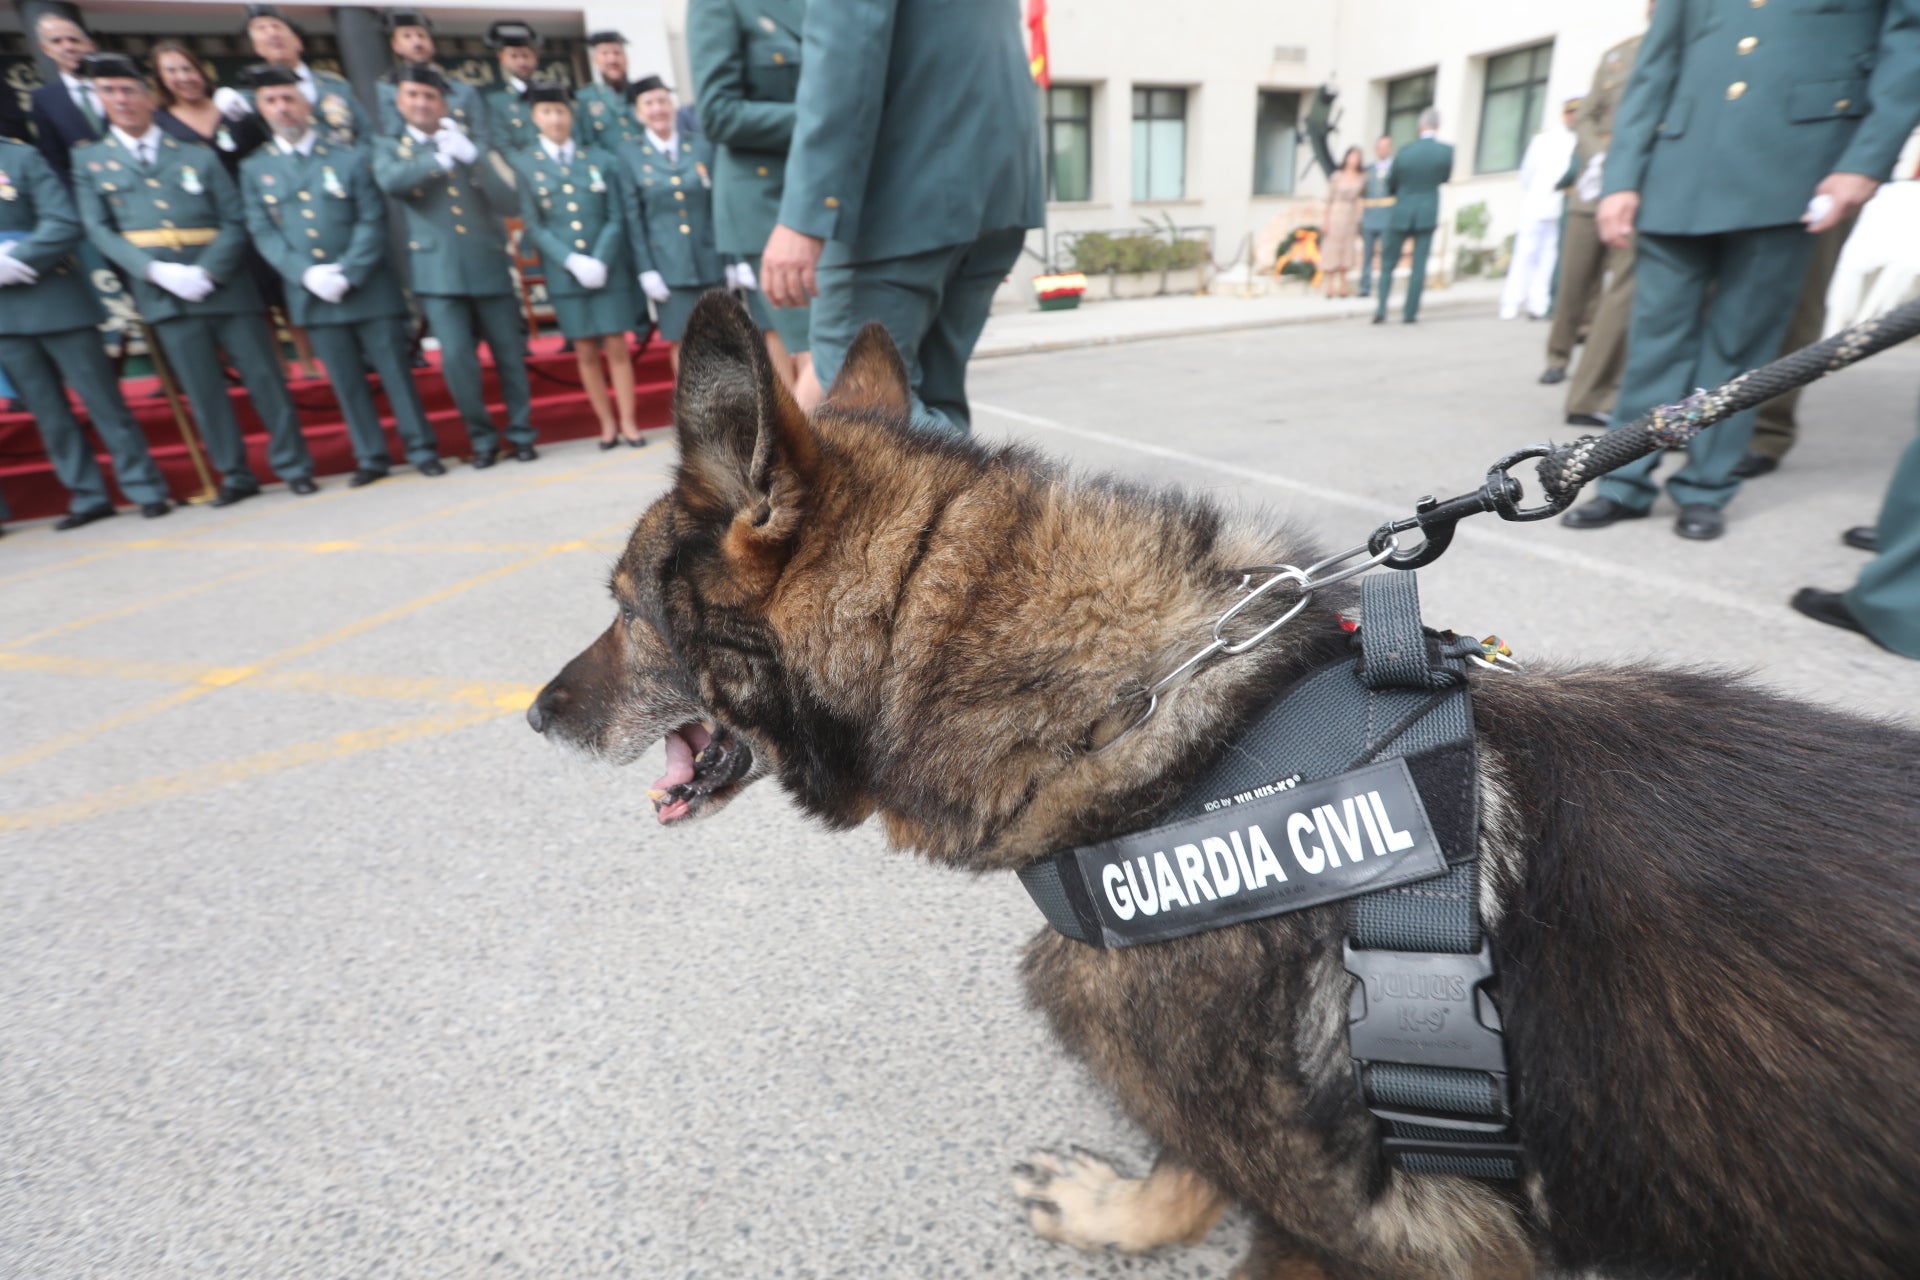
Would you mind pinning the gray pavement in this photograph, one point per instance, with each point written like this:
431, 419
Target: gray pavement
314, 961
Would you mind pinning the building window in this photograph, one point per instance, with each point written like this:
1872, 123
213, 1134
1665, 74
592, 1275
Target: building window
1159, 144
1407, 97
1070, 142
1273, 143
1510, 112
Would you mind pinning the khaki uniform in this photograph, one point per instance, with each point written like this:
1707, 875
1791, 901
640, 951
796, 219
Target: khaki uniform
1586, 265
1775, 429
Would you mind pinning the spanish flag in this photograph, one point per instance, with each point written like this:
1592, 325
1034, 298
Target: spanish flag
1037, 27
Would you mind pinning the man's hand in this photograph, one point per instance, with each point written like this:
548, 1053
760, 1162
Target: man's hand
452, 144
232, 104
654, 285
787, 267
1615, 217
1845, 192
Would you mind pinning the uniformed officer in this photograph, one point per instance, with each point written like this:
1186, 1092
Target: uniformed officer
316, 215
1743, 129
1596, 379
449, 197
165, 213
746, 70
573, 205
670, 213
410, 36
1375, 203
912, 179
1419, 171
49, 342
338, 116
1884, 602
510, 128
603, 115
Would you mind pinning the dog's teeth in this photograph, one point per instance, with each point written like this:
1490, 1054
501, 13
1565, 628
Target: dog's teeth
656, 795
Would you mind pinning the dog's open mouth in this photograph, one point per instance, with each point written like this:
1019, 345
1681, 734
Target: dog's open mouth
704, 760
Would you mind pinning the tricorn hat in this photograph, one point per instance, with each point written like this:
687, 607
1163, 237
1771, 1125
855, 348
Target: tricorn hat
606, 37
507, 34
397, 18
110, 66
422, 73
262, 74
546, 91
645, 84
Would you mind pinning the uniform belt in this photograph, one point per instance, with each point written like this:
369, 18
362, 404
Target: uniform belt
1379, 202
171, 237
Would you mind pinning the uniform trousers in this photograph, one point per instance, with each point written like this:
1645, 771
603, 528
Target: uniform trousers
1417, 282
1529, 284
42, 367
192, 345
1775, 429
1704, 309
1886, 598
1369, 249
1582, 267
933, 304
1595, 383
381, 345
454, 319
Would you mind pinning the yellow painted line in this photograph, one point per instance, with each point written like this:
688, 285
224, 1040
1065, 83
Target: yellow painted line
226, 772
376, 548
140, 606
502, 695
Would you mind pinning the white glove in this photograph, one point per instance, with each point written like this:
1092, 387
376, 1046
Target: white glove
183, 280
454, 145
590, 272
326, 281
12, 270
1588, 185
655, 286
232, 104
740, 276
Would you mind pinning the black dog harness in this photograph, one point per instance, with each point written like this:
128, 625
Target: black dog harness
1358, 782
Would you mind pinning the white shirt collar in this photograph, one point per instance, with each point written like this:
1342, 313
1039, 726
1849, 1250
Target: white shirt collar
413, 132
1429, 133
514, 83
304, 145
554, 150
75, 84
669, 144
151, 138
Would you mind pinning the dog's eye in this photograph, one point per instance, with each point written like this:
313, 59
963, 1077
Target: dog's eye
628, 613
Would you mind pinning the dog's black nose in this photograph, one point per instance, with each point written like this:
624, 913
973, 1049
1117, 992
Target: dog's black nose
538, 714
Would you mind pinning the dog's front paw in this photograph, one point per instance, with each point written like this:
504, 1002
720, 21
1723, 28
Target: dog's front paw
1078, 1199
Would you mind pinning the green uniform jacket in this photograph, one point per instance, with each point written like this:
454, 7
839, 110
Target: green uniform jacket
304, 211
746, 69
669, 212
1376, 216
464, 104
188, 190
509, 121
579, 209
337, 114
915, 128
1735, 113
37, 216
603, 118
1593, 123
450, 219
1415, 178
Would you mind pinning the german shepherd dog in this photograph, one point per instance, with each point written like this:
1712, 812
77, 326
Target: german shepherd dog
1700, 896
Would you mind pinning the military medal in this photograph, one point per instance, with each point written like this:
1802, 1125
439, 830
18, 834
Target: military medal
595, 183
7, 190
701, 169
598, 108
267, 179
222, 139
190, 181
330, 183
767, 24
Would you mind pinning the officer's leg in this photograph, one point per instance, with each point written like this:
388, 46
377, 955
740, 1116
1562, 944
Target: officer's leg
1775, 428
339, 350
903, 294
1369, 244
949, 343
383, 344
249, 338
1886, 598
1596, 379
1417, 282
500, 321
1755, 286
37, 380
1581, 261
188, 343
1396, 242
451, 320
84, 367
1670, 277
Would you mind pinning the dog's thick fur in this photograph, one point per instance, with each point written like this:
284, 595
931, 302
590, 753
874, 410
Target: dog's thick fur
1700, 896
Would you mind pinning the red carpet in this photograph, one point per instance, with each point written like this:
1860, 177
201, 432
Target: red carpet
560, 412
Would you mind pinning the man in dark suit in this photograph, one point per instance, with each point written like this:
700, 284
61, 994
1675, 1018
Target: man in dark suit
1376, 210
65, 112
1415, 180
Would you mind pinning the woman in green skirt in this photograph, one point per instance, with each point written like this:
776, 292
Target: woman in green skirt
669, 187
572, 202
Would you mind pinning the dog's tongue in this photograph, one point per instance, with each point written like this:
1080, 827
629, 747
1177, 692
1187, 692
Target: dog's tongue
679, 761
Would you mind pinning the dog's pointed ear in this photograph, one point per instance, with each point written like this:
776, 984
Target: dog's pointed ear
741, 434
872, 377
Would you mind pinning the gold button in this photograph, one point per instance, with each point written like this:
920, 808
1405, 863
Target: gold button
779, 58
685, 230
832, 202
306, 213
153, 182
161, 204
567, 188
762, 171
271, 199
453, 191
456, 211
1735, 89
319, 253
579, 244
1843, 104
313, 233
679, 195
1747, 45
414, 245
457, 227
306, 195
576, 226
572, 207
1758, 4
167, 223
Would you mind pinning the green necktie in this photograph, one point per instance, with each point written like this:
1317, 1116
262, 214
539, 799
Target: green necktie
85, 100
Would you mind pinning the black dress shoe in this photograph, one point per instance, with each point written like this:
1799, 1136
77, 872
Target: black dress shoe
525, 453
1828, 607
366, 476
1410, 320
638, 442
485, 458
78, 518
1589, 420
1862, 537
1700, 521
610, 444
431, 467
1364, 293
1556, 374
154, 510
303, 486
232, 493
1600, 513
1379, 319
1755, 464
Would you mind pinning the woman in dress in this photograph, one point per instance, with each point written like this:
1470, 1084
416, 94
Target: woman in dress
572, 205
1340, 229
